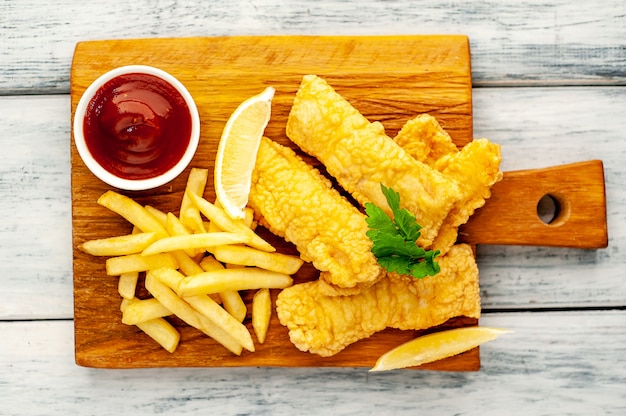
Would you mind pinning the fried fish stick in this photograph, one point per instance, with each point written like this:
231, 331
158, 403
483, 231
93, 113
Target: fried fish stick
425, 140
475, 168
325, 325
361, 156
297, 203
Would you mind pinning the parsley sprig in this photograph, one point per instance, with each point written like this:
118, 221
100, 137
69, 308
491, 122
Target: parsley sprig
395, 239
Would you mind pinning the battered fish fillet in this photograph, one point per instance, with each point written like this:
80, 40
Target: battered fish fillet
425, 140
476, 168
325, 325
361, 156
296, 202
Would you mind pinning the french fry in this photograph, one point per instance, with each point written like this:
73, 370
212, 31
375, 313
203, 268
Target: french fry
158, 329
166, 296
248, 256
218, 334
162, 332
125, 302
232, 279
119, 245
207, 307
249, 218
223, 221
210, 263
213, 228
189, 213
116, 266
192, 219
184, 277
194, 241
174, 225
140, 311
158, 284
231, 299
234, 304
186, 263
133, 212
160, 216
188, 266
127, 284
261, 313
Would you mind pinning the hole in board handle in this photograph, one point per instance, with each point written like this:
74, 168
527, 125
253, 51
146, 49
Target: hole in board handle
552, 210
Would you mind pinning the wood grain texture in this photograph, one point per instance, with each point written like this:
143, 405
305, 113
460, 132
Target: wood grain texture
555, 363
533, 42
537, 128
35, 237
421, 73
511, 216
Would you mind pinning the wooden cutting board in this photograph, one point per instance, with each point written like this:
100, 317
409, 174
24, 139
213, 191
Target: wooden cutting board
388, 78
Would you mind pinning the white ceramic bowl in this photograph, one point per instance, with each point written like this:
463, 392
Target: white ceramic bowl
106, 175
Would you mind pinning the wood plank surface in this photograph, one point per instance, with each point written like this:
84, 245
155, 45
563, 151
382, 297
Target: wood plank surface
574, 207
537, 128
388, 78
556, 363
534, 42
564, 362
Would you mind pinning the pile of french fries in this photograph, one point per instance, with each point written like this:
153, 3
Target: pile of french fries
195, 265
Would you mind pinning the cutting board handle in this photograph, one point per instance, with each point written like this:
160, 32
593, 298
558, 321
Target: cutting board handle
575, 217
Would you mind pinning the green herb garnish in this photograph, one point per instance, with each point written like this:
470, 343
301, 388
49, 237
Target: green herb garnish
395, 239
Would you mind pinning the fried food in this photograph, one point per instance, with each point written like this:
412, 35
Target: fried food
439, 184
173, 256
475, 168
325, 325
248, 256
425, 140
261, 313
118, 245
361, 156
296, 202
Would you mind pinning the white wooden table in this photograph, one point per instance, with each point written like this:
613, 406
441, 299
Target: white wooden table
549, 81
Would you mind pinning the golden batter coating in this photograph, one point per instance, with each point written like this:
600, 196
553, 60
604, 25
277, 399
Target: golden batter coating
296, 202
325, 325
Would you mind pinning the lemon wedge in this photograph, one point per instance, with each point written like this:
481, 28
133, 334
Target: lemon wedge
436, 346
237, 151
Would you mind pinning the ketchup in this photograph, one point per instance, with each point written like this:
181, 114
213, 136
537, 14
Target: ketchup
137, 126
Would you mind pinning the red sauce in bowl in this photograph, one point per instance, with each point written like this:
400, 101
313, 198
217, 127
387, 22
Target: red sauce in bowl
137, 126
